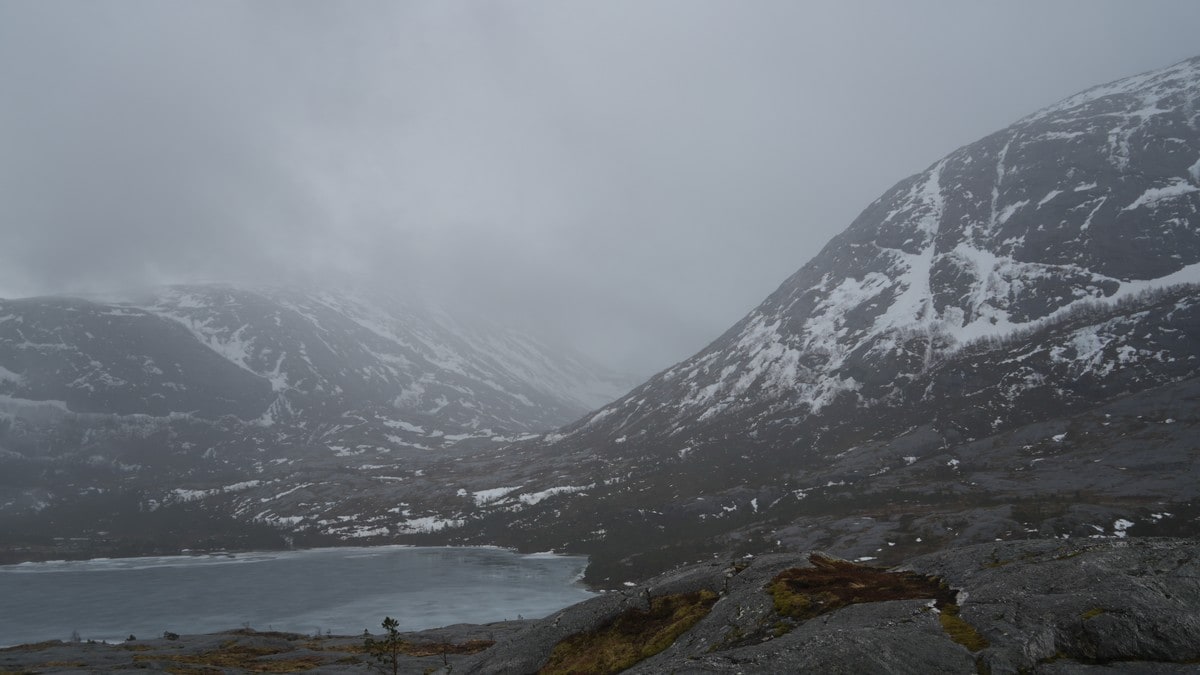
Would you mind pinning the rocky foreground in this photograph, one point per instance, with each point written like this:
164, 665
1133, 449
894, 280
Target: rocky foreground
1038, 606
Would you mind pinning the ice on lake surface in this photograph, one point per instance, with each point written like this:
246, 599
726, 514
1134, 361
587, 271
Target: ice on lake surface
343, 590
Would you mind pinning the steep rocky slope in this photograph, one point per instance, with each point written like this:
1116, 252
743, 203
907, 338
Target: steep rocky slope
930, 361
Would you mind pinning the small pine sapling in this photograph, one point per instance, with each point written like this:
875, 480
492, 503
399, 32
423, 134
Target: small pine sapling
386, 651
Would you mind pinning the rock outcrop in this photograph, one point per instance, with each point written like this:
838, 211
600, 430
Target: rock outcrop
1044, 606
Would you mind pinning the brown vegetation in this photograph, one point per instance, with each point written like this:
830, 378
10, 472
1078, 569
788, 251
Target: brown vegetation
630, 637
233, 654
801, 593
805, 592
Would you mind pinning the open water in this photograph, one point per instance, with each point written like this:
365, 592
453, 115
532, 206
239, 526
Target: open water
343, 590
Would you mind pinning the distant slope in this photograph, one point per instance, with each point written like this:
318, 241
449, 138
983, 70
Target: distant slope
279, 349
176, 395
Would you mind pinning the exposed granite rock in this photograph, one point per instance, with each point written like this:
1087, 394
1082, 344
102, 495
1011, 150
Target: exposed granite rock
1043, 606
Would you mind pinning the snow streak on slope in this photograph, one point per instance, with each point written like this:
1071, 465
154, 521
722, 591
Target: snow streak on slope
1087, 203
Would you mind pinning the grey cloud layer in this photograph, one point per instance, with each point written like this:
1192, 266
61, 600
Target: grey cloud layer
630, 177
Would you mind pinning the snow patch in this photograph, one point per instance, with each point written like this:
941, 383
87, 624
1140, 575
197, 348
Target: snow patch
532, 498
401, 424
428, 524
1177, 188
1120, 525
1049, 195
483, 497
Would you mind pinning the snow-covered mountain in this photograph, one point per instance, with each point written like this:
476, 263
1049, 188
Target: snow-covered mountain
267, 354
185, 390
1021, 281
1090, 203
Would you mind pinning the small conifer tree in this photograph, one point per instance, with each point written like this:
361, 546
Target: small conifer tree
386, 651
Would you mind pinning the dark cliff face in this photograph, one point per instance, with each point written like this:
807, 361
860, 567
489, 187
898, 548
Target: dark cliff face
1015, 285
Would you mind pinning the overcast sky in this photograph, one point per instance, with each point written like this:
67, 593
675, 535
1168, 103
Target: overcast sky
628, 176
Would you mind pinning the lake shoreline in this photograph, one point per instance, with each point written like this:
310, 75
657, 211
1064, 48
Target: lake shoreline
234, 553
338, 590
248, 649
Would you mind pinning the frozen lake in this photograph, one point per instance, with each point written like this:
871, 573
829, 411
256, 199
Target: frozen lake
342, 590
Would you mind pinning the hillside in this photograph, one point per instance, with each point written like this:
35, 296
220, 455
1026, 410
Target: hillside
1005, 344
238, 412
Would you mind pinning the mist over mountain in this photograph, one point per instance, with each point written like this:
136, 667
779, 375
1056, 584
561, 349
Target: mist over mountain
112, 407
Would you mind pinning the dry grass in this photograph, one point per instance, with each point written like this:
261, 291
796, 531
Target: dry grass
439, 648
801, 593
805, 592
414, 648
233, 654
631, 637
33, 646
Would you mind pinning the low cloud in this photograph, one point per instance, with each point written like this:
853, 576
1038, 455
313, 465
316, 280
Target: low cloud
628, 177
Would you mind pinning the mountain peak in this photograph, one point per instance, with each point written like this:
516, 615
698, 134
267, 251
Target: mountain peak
1088, 202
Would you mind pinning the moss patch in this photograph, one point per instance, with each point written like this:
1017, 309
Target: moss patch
632, 636
805, 592
959, 630
801, 593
